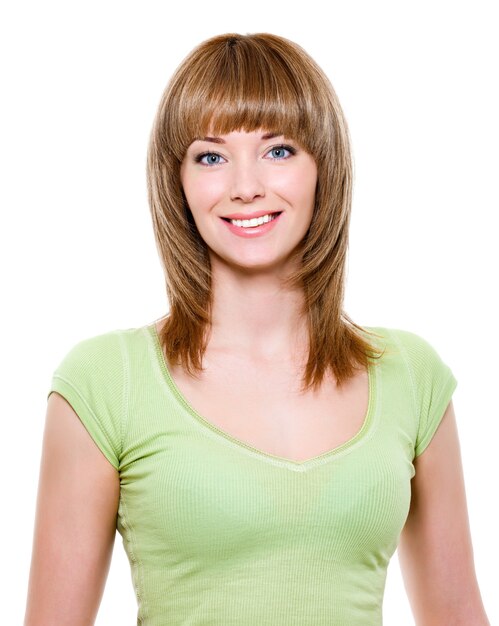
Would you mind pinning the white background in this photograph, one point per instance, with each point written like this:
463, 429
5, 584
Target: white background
80, 84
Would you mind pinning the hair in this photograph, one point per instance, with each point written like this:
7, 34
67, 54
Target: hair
251, 82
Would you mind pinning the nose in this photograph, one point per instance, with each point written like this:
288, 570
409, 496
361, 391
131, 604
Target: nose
246, 184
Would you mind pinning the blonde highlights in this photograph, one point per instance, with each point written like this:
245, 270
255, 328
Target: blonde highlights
251, 82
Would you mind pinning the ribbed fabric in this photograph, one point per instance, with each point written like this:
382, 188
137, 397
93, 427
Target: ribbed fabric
219, 533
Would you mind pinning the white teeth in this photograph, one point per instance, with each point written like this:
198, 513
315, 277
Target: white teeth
256, 221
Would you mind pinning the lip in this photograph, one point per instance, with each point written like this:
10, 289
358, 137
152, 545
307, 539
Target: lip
247, 216
256, 231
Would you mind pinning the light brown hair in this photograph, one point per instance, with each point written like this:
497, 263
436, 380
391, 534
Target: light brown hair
251, 82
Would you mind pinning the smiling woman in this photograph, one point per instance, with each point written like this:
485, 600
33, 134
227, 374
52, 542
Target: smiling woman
267, 84
261, 455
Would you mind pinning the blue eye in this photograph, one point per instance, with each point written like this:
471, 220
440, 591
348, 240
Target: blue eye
208, 158
281, 152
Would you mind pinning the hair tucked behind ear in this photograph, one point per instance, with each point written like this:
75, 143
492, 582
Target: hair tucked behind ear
250, 82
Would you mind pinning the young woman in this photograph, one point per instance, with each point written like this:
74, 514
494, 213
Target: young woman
261, 454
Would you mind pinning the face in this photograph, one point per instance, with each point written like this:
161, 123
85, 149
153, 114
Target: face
265, 178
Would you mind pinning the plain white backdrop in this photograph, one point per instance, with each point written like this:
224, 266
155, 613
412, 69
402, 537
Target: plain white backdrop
81, 83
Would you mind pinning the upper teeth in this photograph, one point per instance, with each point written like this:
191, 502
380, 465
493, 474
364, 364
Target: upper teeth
256, 221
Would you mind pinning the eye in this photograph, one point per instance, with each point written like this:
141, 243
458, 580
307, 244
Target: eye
278, 153
209, 158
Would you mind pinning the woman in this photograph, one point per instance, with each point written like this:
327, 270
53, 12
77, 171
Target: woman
261, 454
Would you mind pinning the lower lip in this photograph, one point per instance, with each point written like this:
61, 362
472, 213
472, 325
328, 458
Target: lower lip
256, 231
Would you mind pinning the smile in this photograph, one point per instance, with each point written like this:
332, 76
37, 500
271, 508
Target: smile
256, 221
254, 227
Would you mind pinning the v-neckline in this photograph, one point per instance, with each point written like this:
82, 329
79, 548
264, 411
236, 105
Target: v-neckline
367, 428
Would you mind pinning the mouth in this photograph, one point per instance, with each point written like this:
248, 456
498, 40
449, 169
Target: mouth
255, 221
255, 227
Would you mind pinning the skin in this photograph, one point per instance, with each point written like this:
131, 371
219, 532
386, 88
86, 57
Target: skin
435, 549
78, 491
75, 524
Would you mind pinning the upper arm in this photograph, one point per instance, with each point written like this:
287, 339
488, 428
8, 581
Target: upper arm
435, 549
75, 525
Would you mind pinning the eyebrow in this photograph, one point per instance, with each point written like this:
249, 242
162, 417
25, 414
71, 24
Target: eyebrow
220, 140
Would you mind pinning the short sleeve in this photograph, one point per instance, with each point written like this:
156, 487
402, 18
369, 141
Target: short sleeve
433, 383
91, 377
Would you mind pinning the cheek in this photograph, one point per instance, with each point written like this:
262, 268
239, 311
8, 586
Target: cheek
309, 185
298, 186
202, 192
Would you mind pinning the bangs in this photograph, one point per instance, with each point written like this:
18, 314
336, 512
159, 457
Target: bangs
244, 86
241, 110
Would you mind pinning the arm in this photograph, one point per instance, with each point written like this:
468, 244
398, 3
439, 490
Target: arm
435, 549
75, 526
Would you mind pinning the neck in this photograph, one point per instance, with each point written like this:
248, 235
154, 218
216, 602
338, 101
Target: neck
253, 315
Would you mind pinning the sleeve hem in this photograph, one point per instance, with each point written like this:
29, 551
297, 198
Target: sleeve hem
441, 406
86, 415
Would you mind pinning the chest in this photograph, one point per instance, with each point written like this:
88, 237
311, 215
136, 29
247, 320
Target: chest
193, 496
264, 406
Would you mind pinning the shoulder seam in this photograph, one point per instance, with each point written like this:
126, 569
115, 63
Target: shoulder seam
405, 356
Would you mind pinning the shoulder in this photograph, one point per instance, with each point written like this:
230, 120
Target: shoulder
93, 376
94, 344
414, 348
431, 380
103, 350
91, 356
425, 364
98, 365
390, 334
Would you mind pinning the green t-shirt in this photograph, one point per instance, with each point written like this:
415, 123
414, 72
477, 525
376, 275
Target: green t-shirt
220, 533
